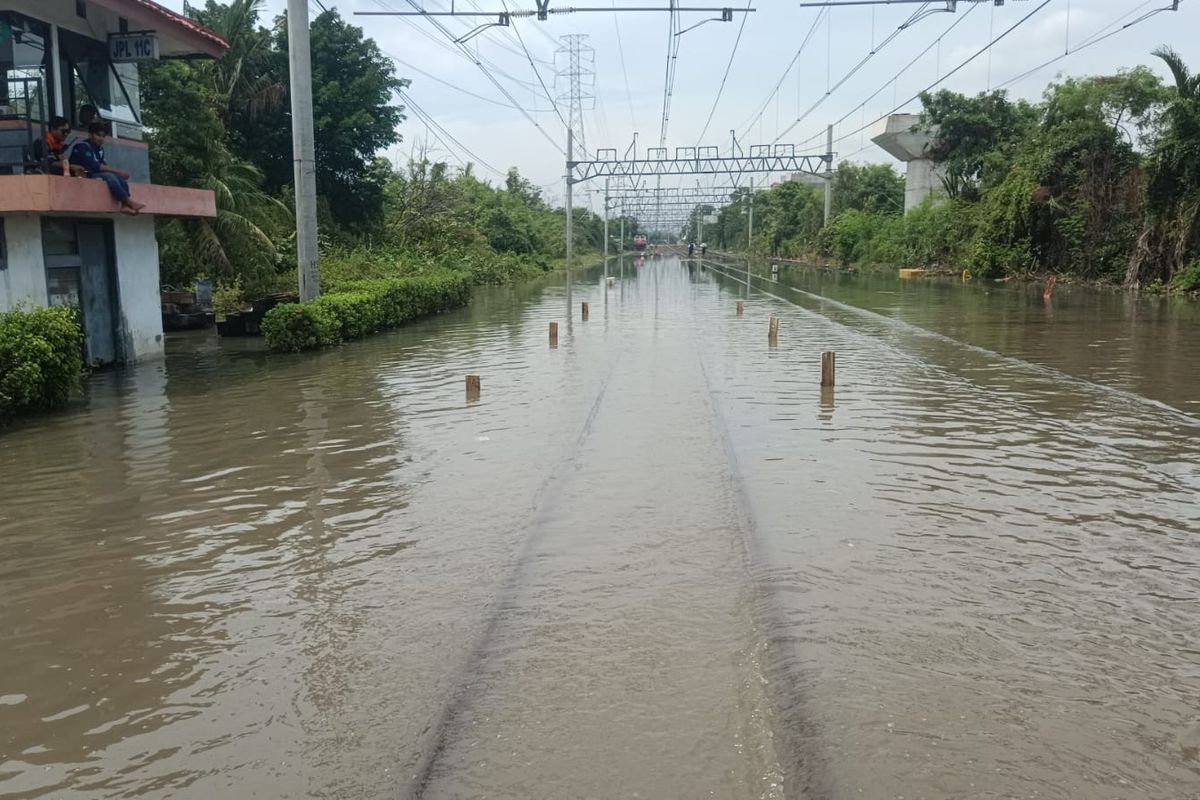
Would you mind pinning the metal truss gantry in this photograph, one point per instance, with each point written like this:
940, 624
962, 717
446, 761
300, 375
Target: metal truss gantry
739, 163
761, 158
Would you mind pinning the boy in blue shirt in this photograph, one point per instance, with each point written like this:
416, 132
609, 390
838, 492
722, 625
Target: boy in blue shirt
89, 154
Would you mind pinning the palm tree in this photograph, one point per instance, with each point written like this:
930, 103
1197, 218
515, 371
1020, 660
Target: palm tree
1170, 236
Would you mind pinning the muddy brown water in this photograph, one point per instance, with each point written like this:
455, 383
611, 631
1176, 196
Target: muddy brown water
656, 561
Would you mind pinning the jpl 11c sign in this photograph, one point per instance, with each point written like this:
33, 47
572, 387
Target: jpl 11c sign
133, 47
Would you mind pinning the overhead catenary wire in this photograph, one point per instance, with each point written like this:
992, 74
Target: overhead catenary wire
673, 40
754, 117
624, 70
476, 60
445, 83
891, 82
1094, 39
536, 72
992, 43
912, 19
728, 65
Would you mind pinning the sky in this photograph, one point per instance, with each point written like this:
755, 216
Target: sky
630, 61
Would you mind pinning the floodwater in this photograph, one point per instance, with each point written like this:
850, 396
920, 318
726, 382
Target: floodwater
656, 561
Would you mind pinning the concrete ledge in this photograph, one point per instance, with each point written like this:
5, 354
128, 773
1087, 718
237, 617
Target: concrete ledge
55, 194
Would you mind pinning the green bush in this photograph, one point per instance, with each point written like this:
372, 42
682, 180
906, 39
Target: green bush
294, 327
1187, 279
41, 359
361, 308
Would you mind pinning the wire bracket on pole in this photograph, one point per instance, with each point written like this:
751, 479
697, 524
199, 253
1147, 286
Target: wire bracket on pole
502, 21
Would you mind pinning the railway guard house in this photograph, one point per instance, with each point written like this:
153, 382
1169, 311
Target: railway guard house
63, 239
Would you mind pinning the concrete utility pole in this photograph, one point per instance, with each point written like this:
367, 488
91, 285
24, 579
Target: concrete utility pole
828, 173
750, 220
606, 230
303, 156
570, 183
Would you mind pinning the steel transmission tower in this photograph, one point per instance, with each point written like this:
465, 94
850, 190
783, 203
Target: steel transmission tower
575, 81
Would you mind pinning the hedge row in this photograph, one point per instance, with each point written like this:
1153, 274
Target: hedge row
361, 308
41, 359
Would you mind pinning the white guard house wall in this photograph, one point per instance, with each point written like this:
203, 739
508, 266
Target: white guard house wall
138, 287
23, 271
133, 305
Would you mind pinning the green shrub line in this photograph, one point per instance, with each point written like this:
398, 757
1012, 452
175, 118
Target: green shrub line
360, 308
41, 359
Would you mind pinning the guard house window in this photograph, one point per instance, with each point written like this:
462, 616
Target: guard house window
81, 8
90, 78
3, 248
25, 73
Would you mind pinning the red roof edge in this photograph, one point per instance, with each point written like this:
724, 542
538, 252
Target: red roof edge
204, 41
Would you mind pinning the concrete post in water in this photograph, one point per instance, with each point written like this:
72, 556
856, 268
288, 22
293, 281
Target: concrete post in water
554, 334
472, 387
828, 367
303, 154
740, 307
584, 311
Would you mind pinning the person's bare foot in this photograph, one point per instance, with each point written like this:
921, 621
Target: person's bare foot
131, 207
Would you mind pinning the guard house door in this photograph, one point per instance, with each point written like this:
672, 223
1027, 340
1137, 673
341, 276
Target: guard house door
79, 272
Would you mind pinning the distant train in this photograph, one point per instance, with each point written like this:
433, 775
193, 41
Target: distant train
639, 243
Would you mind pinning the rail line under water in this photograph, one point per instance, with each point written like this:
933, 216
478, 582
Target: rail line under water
656, 561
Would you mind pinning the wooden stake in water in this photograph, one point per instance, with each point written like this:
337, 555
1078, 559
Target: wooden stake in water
741, 307
1048, 295
773, 330
584, 309
554, 334
472, 388
828, 368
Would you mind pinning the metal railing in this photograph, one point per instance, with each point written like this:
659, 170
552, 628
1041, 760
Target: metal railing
25, 104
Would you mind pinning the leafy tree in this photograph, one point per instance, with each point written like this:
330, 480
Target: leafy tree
974, 137
867, 187
185, 105
354, 116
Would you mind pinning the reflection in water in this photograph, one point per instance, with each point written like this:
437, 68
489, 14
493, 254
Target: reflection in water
659, 559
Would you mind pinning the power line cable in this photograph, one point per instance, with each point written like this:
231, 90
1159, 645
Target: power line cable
725, 77
891, 82
669, 80
536, 72
624, 71
445, 83
756, 116
1094, 39
476, 60
996, 40
436, 127
914, 18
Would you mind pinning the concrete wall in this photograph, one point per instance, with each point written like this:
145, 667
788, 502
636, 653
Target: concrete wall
138, 287
24, 281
